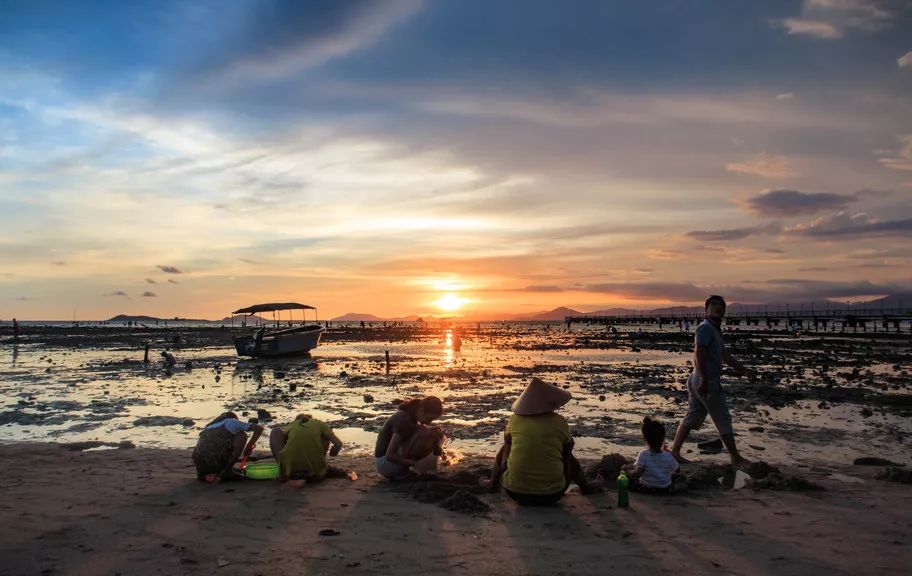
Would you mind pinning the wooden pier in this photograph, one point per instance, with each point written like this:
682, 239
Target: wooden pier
887, 320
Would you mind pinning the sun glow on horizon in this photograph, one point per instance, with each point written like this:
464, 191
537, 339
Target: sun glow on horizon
450, 302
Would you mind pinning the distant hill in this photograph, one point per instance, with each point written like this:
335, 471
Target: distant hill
550, 315
127, 318
364, 317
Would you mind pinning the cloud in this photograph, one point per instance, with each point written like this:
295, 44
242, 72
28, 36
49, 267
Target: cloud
846, 225
150, 281
905, 61
282, 39
543, 289
58, 263
149, 295
775, 167
814, 28
172, 281
901, 160
25, 299
682, 291
785, 96
169, 269
830, 19
117, 293
785, 203
734, 233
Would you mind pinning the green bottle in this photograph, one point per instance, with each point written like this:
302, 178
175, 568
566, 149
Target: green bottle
623, 484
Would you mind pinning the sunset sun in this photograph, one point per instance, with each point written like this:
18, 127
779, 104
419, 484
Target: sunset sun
450, 302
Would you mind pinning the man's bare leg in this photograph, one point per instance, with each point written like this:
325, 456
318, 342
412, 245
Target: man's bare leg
680, 437
277, 440
237, 449
737, 460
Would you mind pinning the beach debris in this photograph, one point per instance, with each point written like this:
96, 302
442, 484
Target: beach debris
328, 532
896, 474
711, 445
222, 562
163, 421
264, 414
873, 461
368, 398
780, 481
89, 444
465, 502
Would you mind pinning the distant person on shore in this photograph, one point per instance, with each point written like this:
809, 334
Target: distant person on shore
704, 386
221, 443
15, 329
536, 465
300, 448
655, 468
407, 442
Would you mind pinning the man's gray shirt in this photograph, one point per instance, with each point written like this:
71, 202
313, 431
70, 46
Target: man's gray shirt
710, 337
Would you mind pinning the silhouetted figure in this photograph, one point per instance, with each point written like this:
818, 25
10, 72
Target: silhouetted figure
15, 329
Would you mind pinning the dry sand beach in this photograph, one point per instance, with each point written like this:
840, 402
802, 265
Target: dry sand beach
140, 511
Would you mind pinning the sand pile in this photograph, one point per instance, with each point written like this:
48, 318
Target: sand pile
780, 481
896, 474
466, 502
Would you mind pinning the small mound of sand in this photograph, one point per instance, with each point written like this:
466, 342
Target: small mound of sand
609, 467
465, 502
760, 469
895, 474
705, 475
779, 481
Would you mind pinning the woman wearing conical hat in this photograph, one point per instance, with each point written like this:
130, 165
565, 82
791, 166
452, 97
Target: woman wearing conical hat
536, 463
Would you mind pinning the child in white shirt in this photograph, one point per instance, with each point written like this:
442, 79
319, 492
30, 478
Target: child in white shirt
655, 468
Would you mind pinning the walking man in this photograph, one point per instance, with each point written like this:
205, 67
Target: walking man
704, 387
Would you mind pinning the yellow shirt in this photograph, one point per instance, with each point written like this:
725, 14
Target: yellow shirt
536, 464
305, 449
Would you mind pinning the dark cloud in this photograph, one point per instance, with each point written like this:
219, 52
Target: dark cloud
150, 281
680, 292
770, 291
815, 269
543, 289
170, 269
172, 281
149, 295
58, 263
846, 225
785, 203
24, 299
117, 293
734, 233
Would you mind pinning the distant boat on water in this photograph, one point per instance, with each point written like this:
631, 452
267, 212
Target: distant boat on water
279, 341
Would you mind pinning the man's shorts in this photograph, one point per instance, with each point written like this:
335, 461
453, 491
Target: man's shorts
389, 469
714, 405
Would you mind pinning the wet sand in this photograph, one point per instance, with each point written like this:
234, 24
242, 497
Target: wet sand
823, 398
141, 511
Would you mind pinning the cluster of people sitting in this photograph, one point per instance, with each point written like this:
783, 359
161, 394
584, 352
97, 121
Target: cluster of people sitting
535, 465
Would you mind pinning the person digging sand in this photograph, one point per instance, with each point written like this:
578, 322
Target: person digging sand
407, 443
704, 386
221, 443
300, 448
536, 465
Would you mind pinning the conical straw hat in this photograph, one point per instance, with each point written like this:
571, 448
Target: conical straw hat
539, 397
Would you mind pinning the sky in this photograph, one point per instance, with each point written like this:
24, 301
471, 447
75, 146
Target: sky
187, 158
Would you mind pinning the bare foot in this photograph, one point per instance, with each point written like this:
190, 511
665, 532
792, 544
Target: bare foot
680, 459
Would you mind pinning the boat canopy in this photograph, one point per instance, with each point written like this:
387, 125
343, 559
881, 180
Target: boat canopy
273, 307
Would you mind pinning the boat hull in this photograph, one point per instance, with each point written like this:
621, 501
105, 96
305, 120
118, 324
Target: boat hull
285, 343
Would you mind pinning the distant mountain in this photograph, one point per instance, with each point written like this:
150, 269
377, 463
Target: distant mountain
128, 318
551, 315
364, 317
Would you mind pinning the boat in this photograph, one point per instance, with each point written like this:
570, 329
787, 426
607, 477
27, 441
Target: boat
279, 341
